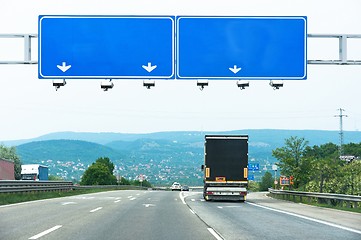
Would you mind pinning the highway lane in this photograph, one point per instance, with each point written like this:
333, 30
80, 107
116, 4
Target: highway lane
279, 220
167, 215
107, 215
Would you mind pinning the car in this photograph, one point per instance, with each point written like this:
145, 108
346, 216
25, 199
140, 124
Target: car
175, 187
184, 188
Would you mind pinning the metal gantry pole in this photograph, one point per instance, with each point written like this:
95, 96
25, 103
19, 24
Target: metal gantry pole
27, 48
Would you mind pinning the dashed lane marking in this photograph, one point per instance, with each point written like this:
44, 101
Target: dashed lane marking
96, 209
46, 232
216, 235
68, 203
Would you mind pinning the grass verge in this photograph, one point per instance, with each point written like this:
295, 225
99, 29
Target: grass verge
317, 204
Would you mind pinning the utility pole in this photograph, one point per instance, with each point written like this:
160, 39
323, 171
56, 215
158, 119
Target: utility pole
341, 130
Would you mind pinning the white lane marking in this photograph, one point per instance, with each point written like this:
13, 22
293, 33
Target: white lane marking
116, 201
96, 209
138, 194
216, 235
130, 196
308, 218
219, 207
46, 232
192, 211
148, 205
118, 198
181, 196
67, 203
192, 199
131, 199
202, 200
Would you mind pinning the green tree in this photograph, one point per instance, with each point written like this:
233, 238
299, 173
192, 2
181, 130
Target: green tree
55, 178
124, 181
350, 178
99, 173
9, 153
292, 160
253, 186
324, 164
266, 181
106, 162
144, 183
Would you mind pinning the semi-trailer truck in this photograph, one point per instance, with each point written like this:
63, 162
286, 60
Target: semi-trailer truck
225, 167
35, 172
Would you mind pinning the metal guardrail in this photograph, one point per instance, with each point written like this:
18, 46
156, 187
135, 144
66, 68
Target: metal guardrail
351, 201
11, 186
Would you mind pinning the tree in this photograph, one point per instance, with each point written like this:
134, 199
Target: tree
144, 183
55, 178
99, 173
324, 164
292, 160
9, 153
266, 182
106, 162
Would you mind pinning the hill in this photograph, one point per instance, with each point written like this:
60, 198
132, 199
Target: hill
272, 137
162, 157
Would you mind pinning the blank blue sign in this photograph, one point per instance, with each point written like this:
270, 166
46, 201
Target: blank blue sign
241, 47
107, 47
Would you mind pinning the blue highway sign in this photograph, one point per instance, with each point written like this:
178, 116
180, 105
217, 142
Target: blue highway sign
253, 166
127, 47
241, 47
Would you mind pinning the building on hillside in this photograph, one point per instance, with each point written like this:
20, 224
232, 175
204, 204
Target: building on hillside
34, 172
7, 170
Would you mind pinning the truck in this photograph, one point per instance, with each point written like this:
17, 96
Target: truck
225, 167
34, 172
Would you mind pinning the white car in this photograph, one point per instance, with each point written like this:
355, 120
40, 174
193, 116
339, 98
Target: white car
175, 187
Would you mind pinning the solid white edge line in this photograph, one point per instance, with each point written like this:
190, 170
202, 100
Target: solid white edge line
214, 234
96, 209
192, 211
182, 197
46, 232
308, 218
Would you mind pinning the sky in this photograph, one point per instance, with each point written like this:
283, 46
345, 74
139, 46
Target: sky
30, 107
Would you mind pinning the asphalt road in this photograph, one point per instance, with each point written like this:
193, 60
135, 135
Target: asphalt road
172, 215
261, 217
107, 215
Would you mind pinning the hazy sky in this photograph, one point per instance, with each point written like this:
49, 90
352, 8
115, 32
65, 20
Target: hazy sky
30, 107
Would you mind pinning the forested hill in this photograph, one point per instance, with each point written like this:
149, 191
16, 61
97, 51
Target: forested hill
64, 150
271, 137
162, 157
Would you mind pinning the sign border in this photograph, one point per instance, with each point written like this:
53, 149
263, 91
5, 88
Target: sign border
42, 76
304, 77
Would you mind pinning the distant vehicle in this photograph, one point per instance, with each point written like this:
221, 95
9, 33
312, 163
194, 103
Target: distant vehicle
225, 167
175, 187
185, 188
34, 172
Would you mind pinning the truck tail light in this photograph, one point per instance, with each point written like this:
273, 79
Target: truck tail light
243, 193
209, 193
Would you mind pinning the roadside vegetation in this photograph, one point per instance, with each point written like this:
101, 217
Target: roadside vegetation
319, 168
9, 153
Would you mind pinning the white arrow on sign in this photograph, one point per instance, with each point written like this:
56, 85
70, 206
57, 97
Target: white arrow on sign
149, 68
235, 69
64, 67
